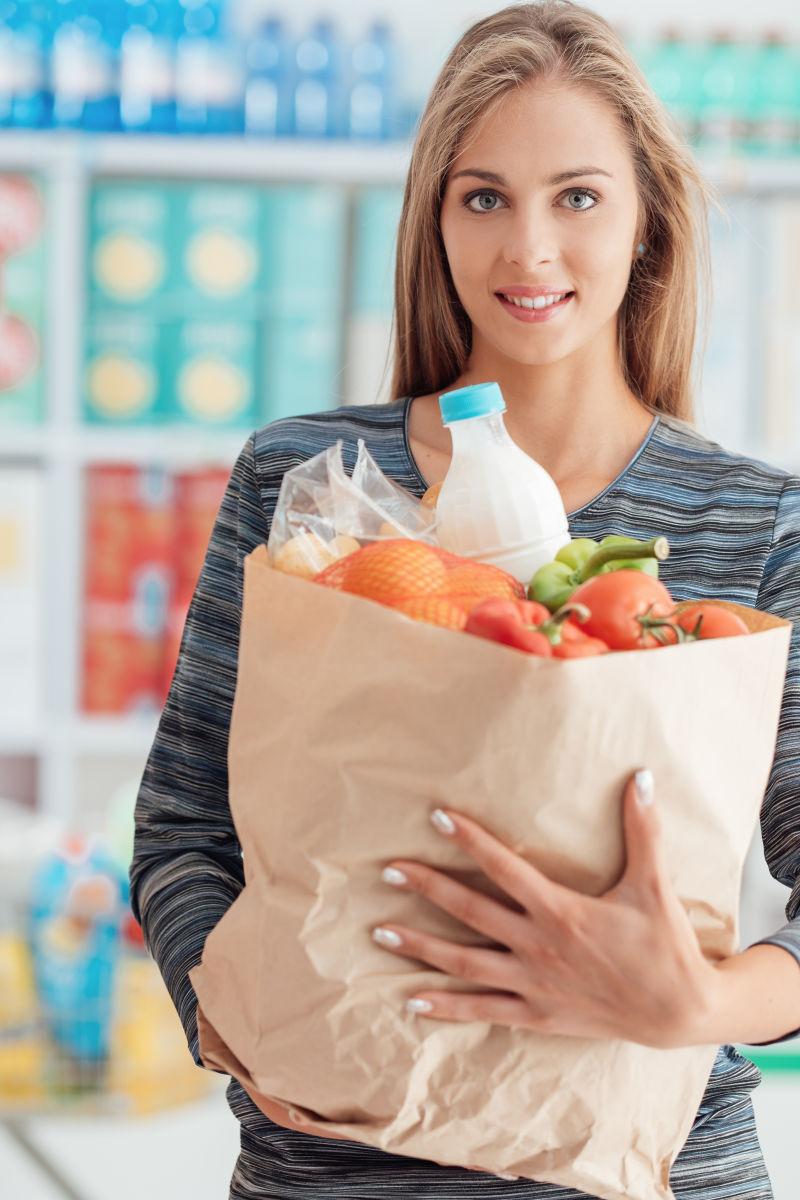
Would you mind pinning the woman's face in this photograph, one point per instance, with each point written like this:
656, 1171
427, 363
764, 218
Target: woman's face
557, 207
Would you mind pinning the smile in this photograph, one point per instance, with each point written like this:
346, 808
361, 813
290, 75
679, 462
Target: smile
538, 308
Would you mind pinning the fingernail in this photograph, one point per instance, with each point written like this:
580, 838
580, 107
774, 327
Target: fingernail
442, 822
394, 875
645, 787
418, 1006
387, 937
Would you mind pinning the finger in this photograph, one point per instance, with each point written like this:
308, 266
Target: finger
510, 871
645, 865
480, 912
492, 968
481, 1006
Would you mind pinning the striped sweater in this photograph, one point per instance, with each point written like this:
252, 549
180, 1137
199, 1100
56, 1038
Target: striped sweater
733, 525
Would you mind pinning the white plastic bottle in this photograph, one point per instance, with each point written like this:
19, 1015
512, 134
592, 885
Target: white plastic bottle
497, 504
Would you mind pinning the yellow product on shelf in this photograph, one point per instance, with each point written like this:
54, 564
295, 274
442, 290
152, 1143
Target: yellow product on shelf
218, 264
122, 372
22, 1046
130, 235
215, 372
127, 267
150, 1066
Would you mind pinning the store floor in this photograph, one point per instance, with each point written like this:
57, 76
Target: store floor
190, 1151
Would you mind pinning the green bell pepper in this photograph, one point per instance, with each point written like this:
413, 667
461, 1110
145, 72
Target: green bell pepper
554, 583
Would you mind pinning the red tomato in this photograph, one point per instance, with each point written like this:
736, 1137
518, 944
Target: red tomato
716, 621
623, 607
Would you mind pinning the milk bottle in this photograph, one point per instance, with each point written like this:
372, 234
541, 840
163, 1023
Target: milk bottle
497, 504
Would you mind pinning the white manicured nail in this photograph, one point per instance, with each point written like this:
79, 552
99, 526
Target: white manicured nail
387, 937
394, 875
645, 787
442, 822
418, 1006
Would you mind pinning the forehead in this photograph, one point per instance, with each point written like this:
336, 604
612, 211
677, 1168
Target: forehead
540, 128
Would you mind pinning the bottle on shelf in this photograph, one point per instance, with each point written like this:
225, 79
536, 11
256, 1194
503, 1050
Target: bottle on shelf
497, 504
77, 905
370, 85
725, 68
317, 83
25, 99
147, 67
210, 71
85, 64
773, 110
267, 106
672, 69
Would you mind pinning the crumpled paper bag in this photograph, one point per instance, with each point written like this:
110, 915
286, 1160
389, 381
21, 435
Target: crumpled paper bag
350, 723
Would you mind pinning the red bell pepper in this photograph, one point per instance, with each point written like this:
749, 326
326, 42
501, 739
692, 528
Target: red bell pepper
529, 626
512, 623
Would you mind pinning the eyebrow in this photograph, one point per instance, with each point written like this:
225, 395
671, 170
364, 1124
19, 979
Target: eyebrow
561, 177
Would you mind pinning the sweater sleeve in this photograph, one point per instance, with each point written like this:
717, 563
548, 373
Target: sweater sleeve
779, 593
187, 866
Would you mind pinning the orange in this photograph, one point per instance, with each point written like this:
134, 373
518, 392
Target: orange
387, 571
470, 582
435, 610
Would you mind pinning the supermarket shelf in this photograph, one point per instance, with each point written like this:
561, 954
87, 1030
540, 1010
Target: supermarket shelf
129, 736
122, 736
19, 741
223, 157
83, 446
259, 159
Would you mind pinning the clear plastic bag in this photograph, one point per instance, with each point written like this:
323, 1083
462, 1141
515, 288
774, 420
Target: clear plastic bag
323, 514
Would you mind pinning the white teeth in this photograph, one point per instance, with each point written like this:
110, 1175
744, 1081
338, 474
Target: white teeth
535, 301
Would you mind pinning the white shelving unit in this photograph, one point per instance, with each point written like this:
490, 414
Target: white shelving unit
63, 446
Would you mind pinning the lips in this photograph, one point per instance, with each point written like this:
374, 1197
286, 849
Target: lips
534, 315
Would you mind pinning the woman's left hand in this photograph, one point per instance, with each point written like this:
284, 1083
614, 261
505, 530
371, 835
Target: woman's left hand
624, 965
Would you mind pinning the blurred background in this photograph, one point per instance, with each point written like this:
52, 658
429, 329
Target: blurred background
198, 208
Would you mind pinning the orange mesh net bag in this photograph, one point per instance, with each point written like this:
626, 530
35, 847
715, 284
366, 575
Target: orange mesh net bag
425, 582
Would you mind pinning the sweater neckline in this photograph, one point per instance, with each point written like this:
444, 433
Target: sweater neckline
632, 463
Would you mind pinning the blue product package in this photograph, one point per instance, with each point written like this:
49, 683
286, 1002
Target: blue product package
78, 901
85, 64
267, 107
302, 364
147, 67
304, 237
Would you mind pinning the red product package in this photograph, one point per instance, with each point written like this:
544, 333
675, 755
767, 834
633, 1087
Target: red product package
197, 497
127, 572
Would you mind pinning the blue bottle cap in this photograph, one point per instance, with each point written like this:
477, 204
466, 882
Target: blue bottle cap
477, 400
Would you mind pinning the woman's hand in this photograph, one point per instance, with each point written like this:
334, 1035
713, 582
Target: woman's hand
623, 965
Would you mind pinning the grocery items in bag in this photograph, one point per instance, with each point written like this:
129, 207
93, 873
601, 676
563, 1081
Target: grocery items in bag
582, 558
496, 504
424, 582
366, 722
323, 514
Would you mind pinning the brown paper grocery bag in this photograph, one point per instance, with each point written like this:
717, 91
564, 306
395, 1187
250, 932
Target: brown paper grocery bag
350, 723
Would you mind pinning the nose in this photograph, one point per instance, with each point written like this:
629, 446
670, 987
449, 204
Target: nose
531, 241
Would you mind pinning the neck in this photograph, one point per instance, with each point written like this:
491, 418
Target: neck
570, 415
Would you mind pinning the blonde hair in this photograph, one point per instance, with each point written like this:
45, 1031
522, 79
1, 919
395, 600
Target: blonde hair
658, 319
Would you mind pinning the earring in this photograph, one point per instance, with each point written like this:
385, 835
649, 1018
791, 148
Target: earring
640, 249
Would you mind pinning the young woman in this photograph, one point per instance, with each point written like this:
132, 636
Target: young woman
543, 166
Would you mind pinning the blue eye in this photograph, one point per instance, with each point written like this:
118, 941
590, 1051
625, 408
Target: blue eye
583, 194
474, 196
